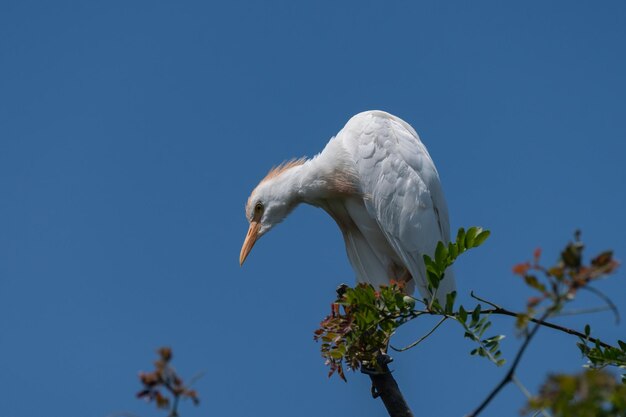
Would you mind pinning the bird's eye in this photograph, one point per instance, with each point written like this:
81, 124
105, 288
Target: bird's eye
258, 208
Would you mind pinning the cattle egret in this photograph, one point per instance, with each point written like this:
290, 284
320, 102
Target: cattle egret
378, 182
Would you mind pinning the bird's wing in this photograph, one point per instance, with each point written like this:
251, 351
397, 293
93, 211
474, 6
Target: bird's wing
401, 189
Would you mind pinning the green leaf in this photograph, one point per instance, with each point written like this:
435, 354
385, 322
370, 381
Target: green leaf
460, 240
470, 236
441, 255
533, 282
481, 237
453, 251
484, 328
462, 315
450, 297
475, 316
587, 330
433, 278
335, 354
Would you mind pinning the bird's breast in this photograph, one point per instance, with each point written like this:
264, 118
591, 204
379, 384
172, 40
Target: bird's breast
370, 254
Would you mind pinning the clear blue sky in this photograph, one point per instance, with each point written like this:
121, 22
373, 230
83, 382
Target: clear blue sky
131, 134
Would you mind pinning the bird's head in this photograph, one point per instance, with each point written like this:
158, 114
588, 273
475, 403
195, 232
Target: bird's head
270, 202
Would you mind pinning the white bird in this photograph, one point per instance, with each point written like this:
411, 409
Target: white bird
378, 182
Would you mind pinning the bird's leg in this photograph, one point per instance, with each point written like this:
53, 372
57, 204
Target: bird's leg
401, 275
405, 277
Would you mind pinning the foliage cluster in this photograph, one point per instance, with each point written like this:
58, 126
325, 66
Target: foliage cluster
363, 319
558, 284
163, 383
592, 393
361, 322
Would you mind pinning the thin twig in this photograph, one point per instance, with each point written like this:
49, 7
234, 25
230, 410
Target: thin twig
509, 375
195, 378
606, 299
580, 311
176, 394
421, 339
174, 410
528, 395
503, 311
544, 323
494, 305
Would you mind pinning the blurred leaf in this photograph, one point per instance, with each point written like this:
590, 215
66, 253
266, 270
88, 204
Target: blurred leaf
537, 255
603, 259
588, 394
533, 282
521, 269
572, 255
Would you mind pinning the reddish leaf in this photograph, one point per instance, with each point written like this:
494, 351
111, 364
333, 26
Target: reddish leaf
165, 353
161, 401
603, 259
521, 269
533, 301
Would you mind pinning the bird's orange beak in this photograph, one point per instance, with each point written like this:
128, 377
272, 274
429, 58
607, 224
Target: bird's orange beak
251, 237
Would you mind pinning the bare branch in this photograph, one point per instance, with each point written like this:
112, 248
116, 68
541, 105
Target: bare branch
421, 339
544, 323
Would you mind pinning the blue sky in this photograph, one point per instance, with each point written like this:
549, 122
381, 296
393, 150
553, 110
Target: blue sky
131, 134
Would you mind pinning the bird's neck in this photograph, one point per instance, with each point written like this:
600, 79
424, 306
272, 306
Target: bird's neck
313, 182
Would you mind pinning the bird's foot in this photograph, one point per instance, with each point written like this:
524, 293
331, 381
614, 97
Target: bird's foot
341, 290
382, 360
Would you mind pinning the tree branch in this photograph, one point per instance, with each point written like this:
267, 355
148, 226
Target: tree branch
541, 322
385, 386
503, 311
